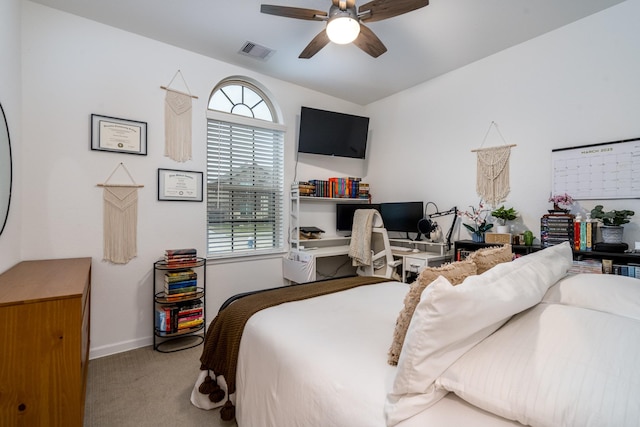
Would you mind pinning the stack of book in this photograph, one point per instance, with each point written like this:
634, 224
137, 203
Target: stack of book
363, 191
556, 228
345, 188
306, 189
321, 188
179, 317
181, 258
629, 270
593, 266
180, 284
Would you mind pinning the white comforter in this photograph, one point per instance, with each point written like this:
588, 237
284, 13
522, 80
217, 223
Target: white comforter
570, 360
322, 362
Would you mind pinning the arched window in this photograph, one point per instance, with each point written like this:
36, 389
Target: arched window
245, 171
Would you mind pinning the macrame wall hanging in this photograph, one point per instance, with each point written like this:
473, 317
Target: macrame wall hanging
492, 180
120, 222
177, 122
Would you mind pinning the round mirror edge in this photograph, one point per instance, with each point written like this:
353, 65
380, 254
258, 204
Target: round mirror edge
6, 217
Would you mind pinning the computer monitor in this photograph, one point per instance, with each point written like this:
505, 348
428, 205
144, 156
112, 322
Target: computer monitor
345, 212
402, 216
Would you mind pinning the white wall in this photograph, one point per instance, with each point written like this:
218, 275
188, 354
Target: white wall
576, 85
73, 67
11, 103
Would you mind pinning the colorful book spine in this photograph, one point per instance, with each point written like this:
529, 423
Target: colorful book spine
181, 284
589, 234
576, 233
190, 324
176, 252
180, 291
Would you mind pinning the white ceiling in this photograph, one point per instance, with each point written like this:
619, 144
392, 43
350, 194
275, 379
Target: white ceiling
422, 44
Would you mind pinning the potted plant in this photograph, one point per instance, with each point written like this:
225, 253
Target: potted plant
503, 215
561, 202
479, 218
612, 222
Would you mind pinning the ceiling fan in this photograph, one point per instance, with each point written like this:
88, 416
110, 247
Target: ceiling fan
345, 25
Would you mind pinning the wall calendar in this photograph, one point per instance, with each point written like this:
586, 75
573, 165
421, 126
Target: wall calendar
609, 170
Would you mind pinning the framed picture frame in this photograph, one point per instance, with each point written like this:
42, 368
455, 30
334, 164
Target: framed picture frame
118, 135
179, 185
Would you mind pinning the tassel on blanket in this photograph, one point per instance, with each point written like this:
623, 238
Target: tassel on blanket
228, 411
210, 386
217, 395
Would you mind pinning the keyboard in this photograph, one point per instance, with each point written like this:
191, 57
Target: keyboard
401, 249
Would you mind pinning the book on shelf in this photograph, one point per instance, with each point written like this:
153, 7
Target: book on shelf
593, 266
556, 228
180, 284
181, 265
334, 187
194, 312
629, 270
183, 314
181, 258
178, 252
186, 319
190, 324
170, 318
180, 276
306, 188
180, 291
181, 296
162, 320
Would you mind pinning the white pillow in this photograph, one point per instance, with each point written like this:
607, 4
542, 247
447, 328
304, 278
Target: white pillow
449, 320
555, 365
603, 292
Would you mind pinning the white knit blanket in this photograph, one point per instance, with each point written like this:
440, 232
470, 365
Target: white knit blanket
360, 247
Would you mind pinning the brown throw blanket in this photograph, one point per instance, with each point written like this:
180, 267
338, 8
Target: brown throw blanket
222, 343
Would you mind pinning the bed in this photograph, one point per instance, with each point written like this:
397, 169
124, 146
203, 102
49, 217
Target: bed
522, 343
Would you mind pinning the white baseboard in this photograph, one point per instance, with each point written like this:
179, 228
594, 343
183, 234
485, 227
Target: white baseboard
107, 350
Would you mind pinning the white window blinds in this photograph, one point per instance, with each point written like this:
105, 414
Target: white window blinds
245, 189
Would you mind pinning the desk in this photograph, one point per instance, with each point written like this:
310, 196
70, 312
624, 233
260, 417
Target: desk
301, 266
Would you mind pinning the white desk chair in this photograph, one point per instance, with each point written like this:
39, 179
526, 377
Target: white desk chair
382, 262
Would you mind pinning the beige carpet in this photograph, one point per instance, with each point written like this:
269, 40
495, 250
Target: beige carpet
145, 388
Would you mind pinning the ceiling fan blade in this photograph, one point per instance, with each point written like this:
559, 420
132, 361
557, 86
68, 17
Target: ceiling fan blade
293, 12
318, 42
369, 42
383, 9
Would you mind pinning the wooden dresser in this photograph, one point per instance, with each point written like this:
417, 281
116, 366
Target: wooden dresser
44, 342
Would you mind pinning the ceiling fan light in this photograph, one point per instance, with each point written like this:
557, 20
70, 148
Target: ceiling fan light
343, 29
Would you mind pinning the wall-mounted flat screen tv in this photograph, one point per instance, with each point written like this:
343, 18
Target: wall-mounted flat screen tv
332, 134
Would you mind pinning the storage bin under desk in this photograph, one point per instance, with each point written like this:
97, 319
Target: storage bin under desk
301, 266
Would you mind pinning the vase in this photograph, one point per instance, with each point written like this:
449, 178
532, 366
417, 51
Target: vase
503, 229
612, 233
478, 237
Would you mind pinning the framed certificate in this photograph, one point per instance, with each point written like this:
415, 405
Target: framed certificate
178, 185
118, 135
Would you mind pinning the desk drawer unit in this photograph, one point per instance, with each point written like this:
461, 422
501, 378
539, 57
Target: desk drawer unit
414, 263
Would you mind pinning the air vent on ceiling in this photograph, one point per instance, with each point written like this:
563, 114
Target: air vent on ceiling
256, 51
